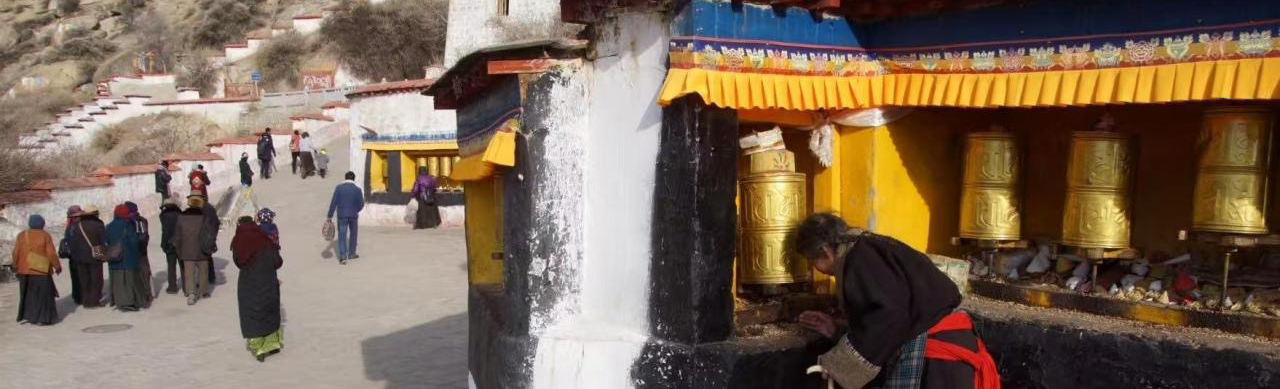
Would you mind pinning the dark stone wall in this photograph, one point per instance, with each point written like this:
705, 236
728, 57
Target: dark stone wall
1048, 355
694, 224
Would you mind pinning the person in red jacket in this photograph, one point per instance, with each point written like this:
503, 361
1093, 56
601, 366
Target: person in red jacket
199, 182
295, 148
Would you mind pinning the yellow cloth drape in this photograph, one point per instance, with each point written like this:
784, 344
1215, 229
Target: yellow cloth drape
501, 151
1251, 78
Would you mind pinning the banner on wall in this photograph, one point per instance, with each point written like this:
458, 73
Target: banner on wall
317, 79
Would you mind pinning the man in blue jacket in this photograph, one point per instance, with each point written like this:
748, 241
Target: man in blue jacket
347, 202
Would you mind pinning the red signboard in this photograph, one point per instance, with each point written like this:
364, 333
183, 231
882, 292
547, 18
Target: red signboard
313, 80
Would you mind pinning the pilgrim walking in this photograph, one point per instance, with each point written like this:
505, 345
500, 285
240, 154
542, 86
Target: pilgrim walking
307, 151
88, 250
904, 329
34, 259
64, 249
215, 225
162, 180
143, 228
295, 144
128, 289
424, 191
199, 181
258, 288
266, 154
346, 203
246, 172
169, 213
194, 241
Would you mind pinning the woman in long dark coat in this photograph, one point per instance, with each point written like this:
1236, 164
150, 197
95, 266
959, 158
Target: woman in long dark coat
903, 329
259, 288
129, 291
88, 233
424, 192
35, 284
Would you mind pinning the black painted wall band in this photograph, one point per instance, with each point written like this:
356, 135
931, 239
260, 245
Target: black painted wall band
694, 224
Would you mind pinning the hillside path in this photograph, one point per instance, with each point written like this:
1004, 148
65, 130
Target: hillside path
394, 318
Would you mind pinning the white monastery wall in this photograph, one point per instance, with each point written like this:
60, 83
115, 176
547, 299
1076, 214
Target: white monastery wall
470, 27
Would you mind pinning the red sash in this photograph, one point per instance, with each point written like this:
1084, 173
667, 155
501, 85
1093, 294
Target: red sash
985, 375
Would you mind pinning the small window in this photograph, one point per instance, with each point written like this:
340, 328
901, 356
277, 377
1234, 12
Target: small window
503, 7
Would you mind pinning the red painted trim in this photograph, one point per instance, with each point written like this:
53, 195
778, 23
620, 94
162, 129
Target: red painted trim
519, 66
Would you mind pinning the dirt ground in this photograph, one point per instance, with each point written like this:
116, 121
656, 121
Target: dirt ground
394, 318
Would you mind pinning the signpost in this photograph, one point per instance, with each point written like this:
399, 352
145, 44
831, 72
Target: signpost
256, 77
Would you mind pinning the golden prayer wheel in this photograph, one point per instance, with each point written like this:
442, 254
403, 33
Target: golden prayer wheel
989, 202
1231, 187
773, 204
446, 166
433, 166
1096, 213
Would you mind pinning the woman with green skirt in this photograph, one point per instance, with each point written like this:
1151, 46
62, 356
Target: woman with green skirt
259, 288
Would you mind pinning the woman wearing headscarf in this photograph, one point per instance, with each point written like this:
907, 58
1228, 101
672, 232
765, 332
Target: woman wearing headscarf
266, 221
258, 291
903, 329
73, 215
34, 259
128, 292
87, 238
424, 191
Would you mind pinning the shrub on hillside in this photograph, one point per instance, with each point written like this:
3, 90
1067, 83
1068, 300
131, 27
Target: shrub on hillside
393, 40
196, 71
70, 163
108, 138
20, 169
87, 48
223, 21
281, 59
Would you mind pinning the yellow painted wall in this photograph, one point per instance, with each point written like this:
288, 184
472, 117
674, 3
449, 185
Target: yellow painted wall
484, 230
377, 168
917, 181
408, 172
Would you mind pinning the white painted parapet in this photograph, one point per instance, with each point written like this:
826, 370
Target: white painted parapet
307, 24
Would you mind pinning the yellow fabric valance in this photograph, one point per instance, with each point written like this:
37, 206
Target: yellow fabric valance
1251, 78
409, 146
501, 151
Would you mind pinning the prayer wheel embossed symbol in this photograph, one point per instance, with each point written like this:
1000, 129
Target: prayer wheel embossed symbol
1231, 187
773, 204
1096, 213
989, 200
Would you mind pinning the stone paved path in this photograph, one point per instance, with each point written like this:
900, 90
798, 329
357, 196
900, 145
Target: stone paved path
395, 318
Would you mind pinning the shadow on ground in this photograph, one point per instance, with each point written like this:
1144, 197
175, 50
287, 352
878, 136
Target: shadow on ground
430, 355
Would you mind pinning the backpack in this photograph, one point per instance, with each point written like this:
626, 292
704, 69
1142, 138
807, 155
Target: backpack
264, 151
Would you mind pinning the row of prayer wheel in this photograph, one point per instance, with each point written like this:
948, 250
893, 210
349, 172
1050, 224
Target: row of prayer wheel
441, 167
1230, 191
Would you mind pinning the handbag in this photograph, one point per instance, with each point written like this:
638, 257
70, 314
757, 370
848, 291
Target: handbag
327, 230
95, 251
36, 262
